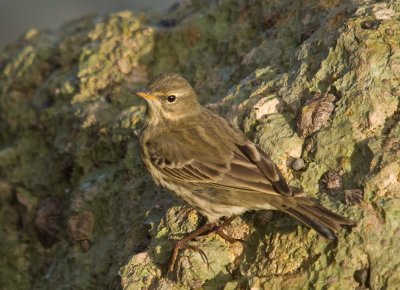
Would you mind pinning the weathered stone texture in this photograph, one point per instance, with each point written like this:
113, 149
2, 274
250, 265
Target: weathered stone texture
77, 209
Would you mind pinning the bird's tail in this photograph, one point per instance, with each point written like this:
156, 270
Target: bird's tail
322, 220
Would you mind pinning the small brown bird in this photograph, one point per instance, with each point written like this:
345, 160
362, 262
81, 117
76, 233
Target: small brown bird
212, 165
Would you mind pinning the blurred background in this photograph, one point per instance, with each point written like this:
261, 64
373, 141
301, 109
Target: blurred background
16, 16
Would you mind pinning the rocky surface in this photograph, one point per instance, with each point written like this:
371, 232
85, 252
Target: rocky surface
315, 81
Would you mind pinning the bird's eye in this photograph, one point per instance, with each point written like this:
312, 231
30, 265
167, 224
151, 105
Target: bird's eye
171, 98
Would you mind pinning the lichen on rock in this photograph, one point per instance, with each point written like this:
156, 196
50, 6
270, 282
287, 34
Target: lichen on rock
77, 209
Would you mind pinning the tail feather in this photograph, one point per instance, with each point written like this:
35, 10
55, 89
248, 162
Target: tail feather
317, 217
317, 226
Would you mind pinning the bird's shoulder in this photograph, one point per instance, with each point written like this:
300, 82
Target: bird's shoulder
203, 135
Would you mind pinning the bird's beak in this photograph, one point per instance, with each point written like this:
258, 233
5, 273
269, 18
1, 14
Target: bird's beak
146, 95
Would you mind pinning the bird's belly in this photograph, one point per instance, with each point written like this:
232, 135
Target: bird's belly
200, 199
211, 202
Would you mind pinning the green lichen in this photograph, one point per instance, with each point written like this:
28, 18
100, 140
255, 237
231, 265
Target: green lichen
68, 127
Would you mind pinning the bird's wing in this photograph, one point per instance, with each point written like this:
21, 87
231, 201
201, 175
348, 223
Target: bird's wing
216, 163
268, 168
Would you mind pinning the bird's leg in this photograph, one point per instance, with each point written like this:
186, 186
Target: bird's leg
219, 231
202, 232
182, 243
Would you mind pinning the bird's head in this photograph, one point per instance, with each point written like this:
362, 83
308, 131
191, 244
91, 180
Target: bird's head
169, 97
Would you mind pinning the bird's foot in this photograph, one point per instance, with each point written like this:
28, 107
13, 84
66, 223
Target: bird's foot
201, 233
219, 230
178, 265
182, 244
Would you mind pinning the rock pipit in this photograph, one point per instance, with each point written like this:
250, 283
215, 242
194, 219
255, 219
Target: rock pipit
213, 166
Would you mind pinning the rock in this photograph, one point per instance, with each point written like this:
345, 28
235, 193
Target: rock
332, 182
312, 81
315, 114
353, 196
298, 164
48, 220
80, 227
